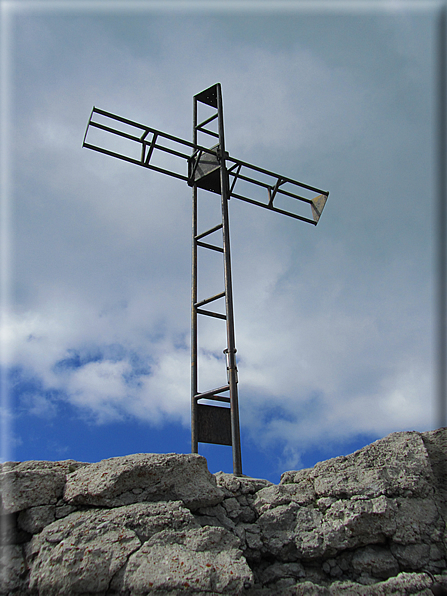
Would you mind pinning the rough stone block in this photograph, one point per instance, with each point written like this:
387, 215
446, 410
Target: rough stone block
232, 507
278, 571
375, 561
204, 560
397, 465
34, 483
83, 551
12, 569
411, 556
34, 519
158, 477
163, 524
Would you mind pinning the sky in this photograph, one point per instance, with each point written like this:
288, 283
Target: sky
335, 324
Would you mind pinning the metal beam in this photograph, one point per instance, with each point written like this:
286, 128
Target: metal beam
211, 169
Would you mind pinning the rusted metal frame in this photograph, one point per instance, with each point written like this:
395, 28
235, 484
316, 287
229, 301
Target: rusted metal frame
212, 392
141, 140
209, 132
215, 398
146, 130
209, 313
212, 97
208, 300
273, 190
114, 131
147, 158
276, 209
125, 135
236, 163
269, 173
235, 176
117, 118
194, 335
207, 121
203, 234
184, 156
144, 144
196, 310
194, 161
231, 348
135, 161
142, 127
281, 191
193, 145
88, 124
269, 188
210, 246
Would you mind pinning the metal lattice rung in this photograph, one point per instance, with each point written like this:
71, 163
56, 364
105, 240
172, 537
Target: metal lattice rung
208, 300
210, 246
210, 313
214, 398
213, 394
208, 232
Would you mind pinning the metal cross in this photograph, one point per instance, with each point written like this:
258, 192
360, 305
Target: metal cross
211, 169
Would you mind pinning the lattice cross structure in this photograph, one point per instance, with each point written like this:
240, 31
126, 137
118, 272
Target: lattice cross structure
211, 169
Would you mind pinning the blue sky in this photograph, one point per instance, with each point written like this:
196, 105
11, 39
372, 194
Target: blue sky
334, 324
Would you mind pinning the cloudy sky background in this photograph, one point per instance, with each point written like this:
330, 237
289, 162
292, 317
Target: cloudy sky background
335, 324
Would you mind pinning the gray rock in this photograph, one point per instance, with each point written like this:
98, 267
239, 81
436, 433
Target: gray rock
437, 556
144, 477
347, 524
214, 516
63, 509
436, 444
274, 496
33, 483
233, 507
417, 520
82, 552
304, 483
198, 560
397, 465
412, 556
239, 485
10, 533
163, 524
277, 528
403, 583
353, 523
278, 571
375, 561
252, 534
12, 568
34, 519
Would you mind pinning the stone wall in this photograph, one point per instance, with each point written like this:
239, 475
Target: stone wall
370, 523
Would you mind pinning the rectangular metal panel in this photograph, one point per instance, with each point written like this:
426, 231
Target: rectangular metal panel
207, 171
214, 425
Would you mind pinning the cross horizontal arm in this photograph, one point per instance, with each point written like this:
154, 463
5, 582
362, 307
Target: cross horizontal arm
145, 146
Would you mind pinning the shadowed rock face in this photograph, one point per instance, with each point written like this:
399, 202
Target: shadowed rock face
369, 523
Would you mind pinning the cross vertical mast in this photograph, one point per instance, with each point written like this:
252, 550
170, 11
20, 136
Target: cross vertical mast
211, 424
231, 342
